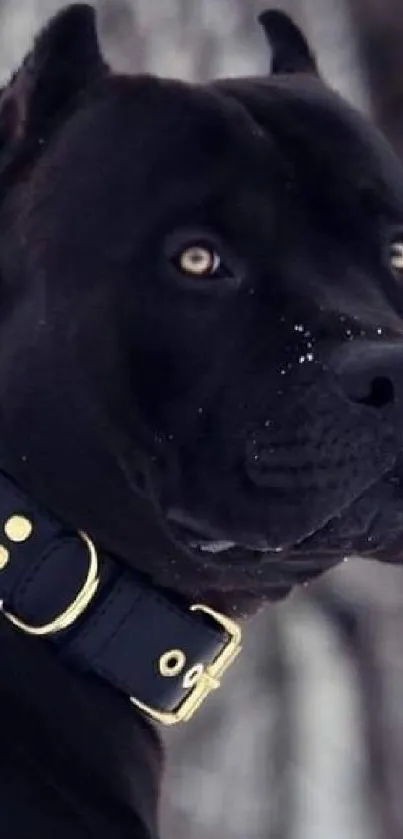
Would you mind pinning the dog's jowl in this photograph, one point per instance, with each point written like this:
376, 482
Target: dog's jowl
201, 396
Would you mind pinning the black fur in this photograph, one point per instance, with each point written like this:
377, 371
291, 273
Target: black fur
172, 417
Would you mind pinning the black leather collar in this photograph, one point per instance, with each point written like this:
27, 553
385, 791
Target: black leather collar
106, 620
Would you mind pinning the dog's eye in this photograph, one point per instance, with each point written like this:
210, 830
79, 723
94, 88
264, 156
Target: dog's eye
199, 261
396, 256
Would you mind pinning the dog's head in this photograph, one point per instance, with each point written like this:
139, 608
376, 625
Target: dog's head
201, 320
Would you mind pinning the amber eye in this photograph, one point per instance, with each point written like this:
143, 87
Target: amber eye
396, 256
199, 261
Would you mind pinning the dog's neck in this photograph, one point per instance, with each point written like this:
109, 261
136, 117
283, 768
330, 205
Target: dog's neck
91, 762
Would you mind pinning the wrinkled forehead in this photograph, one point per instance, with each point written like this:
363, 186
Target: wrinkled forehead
185, 129
241, 142
257, 131
178, 146
325, 142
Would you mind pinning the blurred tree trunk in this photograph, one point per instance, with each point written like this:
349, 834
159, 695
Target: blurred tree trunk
379, 32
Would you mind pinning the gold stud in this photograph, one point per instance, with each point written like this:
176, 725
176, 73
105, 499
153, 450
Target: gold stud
172, 663
4, 557
193, 676
18, 528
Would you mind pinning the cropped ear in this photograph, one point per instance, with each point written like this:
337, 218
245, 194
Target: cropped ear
63, 62
289, 47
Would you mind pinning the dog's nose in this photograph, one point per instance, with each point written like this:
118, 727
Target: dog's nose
371, 373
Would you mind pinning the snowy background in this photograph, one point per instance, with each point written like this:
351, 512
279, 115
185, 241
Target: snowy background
305, 741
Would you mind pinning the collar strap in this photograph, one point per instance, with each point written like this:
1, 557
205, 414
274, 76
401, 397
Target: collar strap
104, 618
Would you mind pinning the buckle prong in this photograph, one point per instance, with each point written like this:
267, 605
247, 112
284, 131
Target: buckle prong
209, 680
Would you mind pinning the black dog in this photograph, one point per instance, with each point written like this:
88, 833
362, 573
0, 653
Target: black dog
201, 365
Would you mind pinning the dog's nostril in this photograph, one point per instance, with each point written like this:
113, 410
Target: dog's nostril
381, 393
370, 373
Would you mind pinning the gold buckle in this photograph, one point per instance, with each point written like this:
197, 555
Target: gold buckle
210, 677
76, 608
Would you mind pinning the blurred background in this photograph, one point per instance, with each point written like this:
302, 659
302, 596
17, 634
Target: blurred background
306, 739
